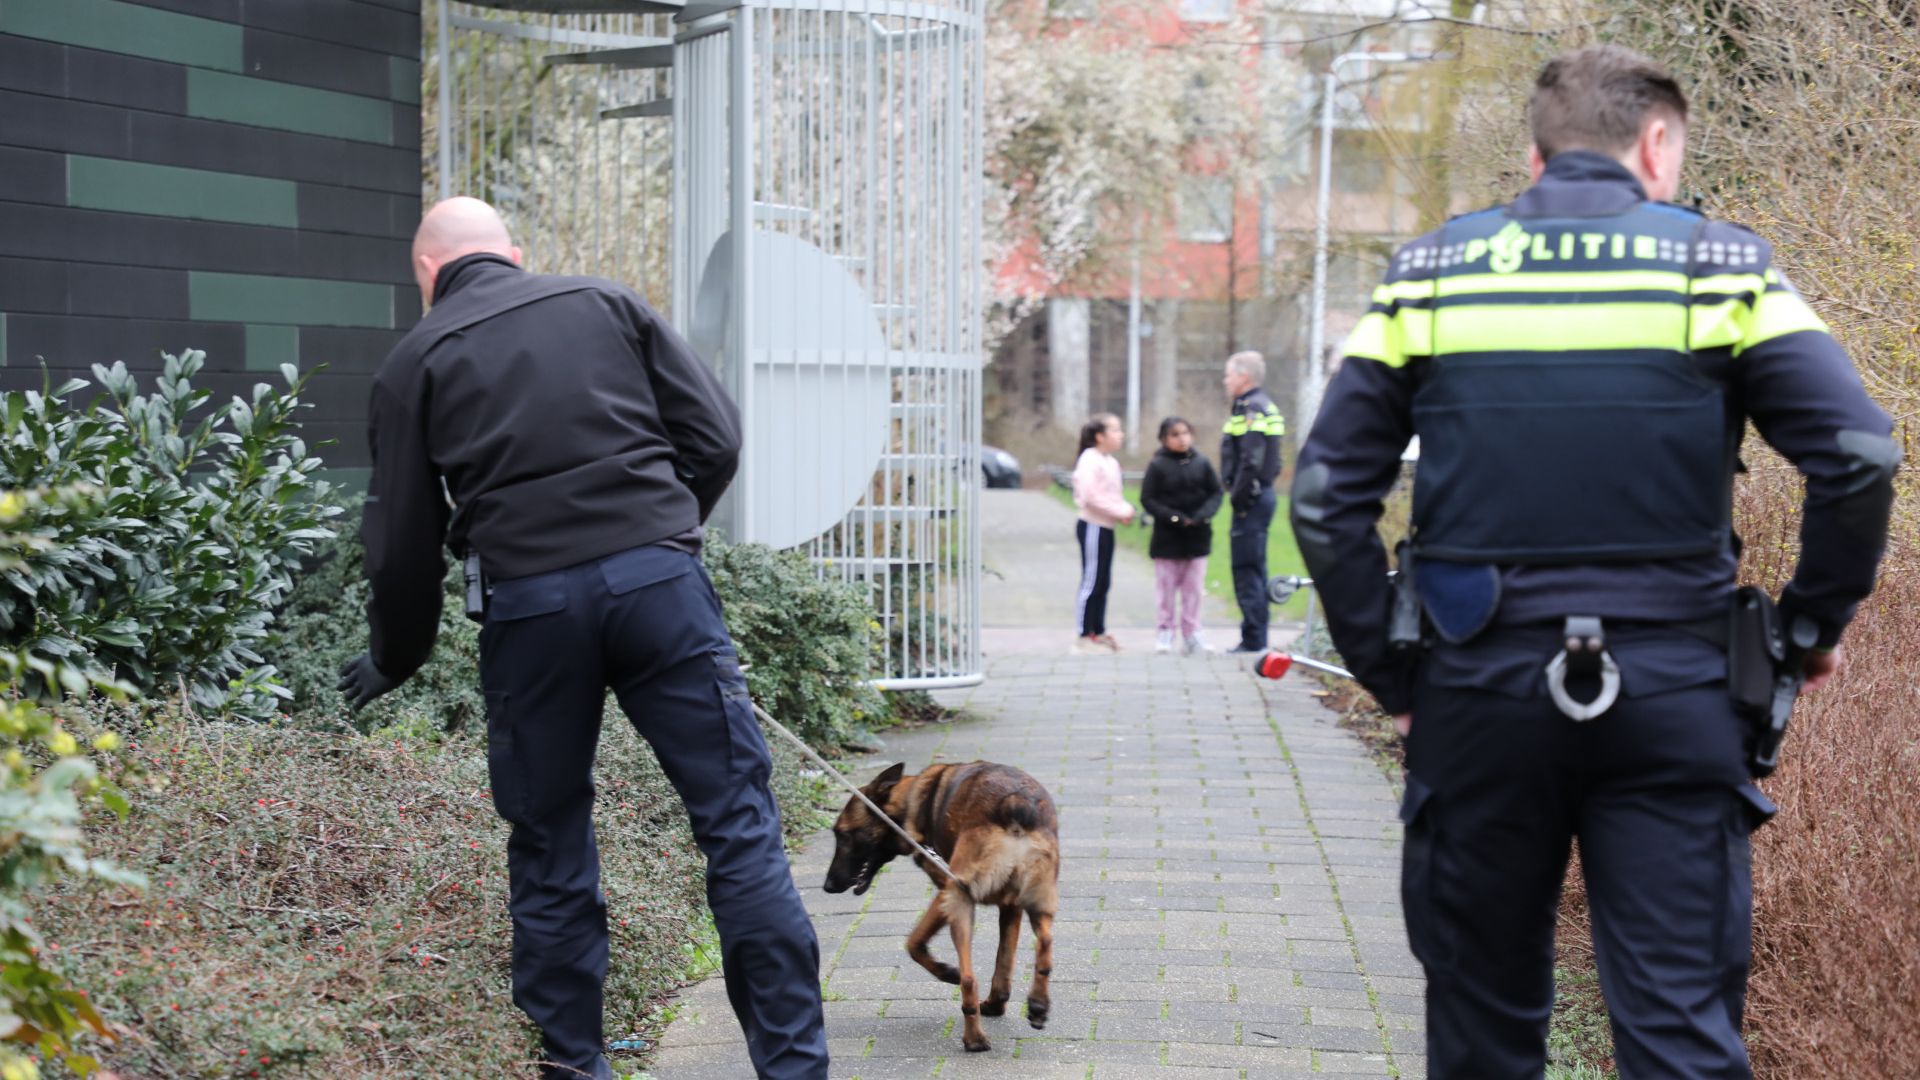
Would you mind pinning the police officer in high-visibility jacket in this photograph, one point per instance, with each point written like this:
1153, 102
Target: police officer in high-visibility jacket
1580, 366
1249, 465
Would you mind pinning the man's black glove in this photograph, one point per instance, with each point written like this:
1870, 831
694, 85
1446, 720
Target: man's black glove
361, 682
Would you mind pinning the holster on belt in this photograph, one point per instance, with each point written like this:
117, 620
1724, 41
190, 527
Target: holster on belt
1766, 665
478, 587
1754, 651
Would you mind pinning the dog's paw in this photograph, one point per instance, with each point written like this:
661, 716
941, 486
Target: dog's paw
993, 1007
947, 973
1037, 1013
975, 1046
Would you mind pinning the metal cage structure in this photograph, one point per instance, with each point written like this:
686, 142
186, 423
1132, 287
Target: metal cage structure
812, 219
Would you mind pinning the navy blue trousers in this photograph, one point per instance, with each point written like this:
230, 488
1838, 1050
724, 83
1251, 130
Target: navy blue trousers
1656, 793
645, 624
1247, 545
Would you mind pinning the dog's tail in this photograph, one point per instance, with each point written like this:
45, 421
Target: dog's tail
1018, 812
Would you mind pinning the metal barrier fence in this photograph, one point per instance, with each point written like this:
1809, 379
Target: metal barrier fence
814, 216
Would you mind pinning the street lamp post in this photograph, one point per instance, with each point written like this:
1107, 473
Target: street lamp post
1309, 395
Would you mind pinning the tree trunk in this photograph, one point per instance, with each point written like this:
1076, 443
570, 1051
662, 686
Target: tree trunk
1433, 191
1068, 340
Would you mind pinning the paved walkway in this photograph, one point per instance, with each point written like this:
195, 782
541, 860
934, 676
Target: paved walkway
1229, 877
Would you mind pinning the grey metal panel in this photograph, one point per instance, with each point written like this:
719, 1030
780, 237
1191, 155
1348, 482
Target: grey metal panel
130, 81
37, 67
35, 176
47, 232
821, 150
270, 54
343, 22
52, 123
34, 285
74, 343
213, 144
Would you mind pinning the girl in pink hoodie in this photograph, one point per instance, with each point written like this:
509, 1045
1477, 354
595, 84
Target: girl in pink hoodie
1097, 492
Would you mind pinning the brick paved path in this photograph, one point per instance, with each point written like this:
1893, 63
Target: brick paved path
1229, 882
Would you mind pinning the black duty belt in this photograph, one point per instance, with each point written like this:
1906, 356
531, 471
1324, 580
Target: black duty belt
1585, 656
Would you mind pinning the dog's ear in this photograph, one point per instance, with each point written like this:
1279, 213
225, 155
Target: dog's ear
878, 787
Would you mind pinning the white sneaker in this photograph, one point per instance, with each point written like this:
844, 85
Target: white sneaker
1164, 643
1195, 645
1087, 646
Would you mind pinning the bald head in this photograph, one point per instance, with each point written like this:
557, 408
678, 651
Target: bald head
455, 228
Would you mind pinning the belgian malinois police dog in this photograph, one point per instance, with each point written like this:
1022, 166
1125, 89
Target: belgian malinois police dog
996, 827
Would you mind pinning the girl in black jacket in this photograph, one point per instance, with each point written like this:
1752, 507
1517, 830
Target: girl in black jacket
1182, 492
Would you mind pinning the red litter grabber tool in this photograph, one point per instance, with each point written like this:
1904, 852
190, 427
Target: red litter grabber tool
1275, 664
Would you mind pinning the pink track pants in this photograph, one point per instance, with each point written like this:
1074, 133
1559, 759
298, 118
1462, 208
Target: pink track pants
1177, 582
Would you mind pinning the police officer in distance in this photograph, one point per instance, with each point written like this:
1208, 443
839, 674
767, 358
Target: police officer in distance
581, 444
1580, 366
1249, 464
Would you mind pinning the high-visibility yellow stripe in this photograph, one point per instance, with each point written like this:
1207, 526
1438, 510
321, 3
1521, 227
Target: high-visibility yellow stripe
1750, 316
1413, 332
1392, 291
1556, 327
1235, 425
1374, 338
1716, 326
1731, 283
1776, 314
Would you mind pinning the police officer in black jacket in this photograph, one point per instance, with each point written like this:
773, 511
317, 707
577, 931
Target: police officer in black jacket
560, 430
1580, 366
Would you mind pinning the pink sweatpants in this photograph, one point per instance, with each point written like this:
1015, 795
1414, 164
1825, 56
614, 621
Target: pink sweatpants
1179, 580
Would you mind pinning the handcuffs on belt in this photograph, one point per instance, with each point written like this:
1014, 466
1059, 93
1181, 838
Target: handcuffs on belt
1585, 655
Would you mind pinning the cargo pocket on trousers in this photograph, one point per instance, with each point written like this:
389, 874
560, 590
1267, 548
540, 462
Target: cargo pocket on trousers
747, 757
506, 772
1416, 870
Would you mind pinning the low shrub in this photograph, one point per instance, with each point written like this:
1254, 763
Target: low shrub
205, 515
804, 641
323, 624
50, 778
325, 904
1836, 951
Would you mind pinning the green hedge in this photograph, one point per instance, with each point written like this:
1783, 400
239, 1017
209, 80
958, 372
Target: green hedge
205, 514
804, 640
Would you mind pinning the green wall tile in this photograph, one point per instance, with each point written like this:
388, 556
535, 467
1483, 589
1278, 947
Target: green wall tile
251, 298
119, 27
270, 346
137, 188
404, 75
214, 95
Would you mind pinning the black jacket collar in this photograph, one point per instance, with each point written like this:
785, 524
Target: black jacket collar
469, 268
1581, 183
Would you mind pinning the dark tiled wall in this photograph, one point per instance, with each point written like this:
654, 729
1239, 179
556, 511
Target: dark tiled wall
239, 176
